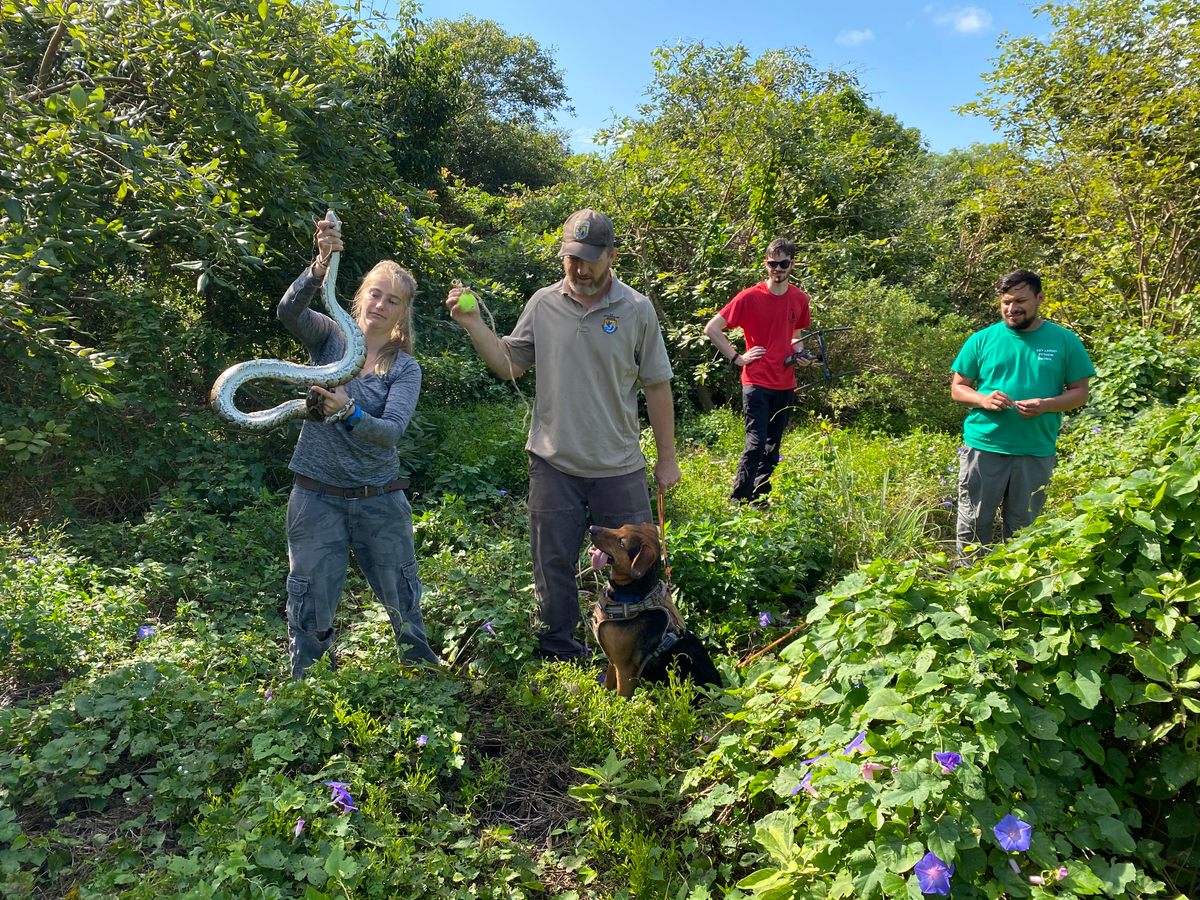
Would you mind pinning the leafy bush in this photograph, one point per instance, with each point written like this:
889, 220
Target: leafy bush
60, 613
1136, 369
901, 351
1062, 670
476, 451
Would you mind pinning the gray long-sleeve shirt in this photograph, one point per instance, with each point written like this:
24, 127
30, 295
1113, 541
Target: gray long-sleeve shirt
329, 453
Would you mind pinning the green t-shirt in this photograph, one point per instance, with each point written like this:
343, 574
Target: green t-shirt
1024, 365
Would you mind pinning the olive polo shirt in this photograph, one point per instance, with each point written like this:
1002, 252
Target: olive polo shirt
588, 364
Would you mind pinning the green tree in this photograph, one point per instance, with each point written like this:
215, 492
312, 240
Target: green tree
973, 214
731, 150
506, 90
1108, 107
161, 166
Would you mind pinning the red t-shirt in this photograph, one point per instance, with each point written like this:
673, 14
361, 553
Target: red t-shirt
769, 321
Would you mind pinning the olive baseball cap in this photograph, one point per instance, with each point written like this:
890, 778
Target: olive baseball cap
587, 234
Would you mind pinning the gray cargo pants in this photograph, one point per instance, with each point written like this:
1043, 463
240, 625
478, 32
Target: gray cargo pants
989, 481
559, 507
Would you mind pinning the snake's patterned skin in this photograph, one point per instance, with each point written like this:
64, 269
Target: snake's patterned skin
327, 376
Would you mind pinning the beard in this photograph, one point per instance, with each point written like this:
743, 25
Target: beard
589, 289
1020, 326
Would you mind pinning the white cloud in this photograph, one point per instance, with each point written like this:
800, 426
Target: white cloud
963, 19
855, 37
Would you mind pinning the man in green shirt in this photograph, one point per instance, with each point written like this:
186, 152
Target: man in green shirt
1018, 377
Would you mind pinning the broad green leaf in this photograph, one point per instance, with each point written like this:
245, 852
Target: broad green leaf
337, 865
775, 833
78, 98
884, 703
1113, 830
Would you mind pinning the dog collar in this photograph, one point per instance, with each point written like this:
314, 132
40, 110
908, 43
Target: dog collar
613, 595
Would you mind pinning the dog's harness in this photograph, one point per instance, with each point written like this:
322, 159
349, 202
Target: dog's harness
616, 606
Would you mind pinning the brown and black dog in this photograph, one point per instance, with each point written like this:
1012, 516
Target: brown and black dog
636, 623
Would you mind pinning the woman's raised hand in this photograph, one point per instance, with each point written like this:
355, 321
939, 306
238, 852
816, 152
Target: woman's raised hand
329, 241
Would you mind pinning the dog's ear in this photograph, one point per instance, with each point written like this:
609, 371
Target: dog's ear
645, 558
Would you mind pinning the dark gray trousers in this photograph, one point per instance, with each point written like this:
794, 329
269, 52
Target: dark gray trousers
559, 509
989, 481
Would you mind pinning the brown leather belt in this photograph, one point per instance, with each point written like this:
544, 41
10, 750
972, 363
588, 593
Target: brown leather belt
352, 493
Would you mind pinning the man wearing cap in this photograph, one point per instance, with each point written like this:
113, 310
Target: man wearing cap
772, 314
594, 340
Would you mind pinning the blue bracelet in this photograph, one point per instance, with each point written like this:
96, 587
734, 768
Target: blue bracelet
353, 419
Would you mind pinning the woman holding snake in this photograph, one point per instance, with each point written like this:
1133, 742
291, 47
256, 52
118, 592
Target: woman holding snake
347, 492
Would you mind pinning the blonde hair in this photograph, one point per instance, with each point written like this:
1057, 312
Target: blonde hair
402, 336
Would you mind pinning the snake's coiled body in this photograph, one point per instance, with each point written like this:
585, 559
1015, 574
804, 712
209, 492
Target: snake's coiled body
327, 376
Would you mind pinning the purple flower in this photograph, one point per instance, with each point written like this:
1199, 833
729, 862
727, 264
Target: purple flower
267, 694
811, 760
1062, 873
341, 796
503, 492
299, 828
764, 619
1012, 833
1096, 429
806, 784
422, 740
947, 504
1036, 879
1014, 865
949, 761
489, 627
145, 631
933, 875
31, 559
855, 745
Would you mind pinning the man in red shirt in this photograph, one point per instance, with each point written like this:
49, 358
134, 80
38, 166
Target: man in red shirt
772, 316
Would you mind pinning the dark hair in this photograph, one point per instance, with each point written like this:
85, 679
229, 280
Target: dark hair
781, 247
1015, 279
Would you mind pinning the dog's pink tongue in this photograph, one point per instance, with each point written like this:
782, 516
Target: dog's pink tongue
599, 558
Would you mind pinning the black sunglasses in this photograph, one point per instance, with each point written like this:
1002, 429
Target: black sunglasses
779, 263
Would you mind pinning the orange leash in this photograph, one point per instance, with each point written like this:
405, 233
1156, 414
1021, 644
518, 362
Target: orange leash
662, 539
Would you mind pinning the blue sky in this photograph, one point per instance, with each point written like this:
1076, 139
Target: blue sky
916, 60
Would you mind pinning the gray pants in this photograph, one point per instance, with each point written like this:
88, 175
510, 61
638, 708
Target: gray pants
988, 481
559, 505
321, 530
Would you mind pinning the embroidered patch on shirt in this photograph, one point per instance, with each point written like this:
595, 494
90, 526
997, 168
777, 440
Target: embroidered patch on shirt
610, 324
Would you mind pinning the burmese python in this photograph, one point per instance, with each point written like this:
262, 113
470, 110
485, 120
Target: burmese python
326, 376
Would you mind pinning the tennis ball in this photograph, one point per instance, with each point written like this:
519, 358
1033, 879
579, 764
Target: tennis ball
466, 301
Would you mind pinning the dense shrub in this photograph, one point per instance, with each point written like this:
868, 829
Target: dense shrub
900, 350
1136, 369
1063, 670
60, 613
